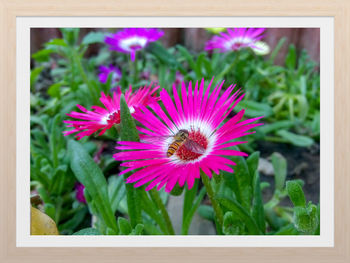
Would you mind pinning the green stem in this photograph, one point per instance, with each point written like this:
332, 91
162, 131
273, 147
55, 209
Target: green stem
228, 69
211, 195
131, 199
77, 60
156, 199
136, 72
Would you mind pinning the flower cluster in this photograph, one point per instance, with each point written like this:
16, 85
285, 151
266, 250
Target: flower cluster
180, 137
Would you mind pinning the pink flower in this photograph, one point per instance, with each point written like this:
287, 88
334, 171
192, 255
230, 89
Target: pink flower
131, 40
101, 119
235, 39
198, 114
105, 71
79, 193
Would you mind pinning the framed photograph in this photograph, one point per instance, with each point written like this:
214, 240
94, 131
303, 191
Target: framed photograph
140, 132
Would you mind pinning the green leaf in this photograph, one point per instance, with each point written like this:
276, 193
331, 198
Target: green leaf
153, 211
75, 221
232, 224
295, 193
258, 206
253, 162
306, 219
91, 176
240, 182
188, 56
254, 109
190, 195
187, 222
116, 191
278, 125
242, 213
93, 37
206, 211
42, 55
287, 230
137, 230
164, 56
128, 132
70, 35
279, 164
90, 231
277, 49
34, 74
55, 90
303, 107
56, 42
124, 226
291, 58
297, 140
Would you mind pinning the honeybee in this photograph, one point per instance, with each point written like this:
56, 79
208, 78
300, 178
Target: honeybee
181, 138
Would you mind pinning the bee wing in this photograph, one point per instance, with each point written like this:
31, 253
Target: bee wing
155, 139
194, 147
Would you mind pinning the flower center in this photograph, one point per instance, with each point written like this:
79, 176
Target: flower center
135, 47
236, 45
113, 118
189, 151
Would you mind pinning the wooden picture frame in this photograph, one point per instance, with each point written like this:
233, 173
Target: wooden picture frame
9, 10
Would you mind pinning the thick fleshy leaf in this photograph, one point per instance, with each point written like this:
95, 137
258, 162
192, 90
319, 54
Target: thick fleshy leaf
91, 176
124, 226
93, 37
295, 193
297, 140
279, 164
242, 213
128, 132
258, 212
255, 109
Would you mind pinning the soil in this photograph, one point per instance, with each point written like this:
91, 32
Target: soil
302, 163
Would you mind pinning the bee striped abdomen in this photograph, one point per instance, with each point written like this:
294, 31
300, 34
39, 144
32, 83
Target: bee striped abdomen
173, 147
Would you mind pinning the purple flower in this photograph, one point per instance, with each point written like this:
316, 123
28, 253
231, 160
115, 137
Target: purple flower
105, 71
235, 39
179, 78
130, 40
79, 193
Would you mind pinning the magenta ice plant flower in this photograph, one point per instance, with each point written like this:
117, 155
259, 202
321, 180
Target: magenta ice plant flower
105, 71
199, 115
79, 193
100, 119
130, 40
235, 39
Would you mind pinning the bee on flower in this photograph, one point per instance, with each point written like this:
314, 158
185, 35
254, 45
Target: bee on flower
188, 136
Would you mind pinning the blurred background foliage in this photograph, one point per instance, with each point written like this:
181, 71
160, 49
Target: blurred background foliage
283, 86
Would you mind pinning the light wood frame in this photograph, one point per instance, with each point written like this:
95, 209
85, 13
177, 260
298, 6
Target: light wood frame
9, 9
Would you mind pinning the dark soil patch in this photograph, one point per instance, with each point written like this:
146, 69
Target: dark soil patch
302, 163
